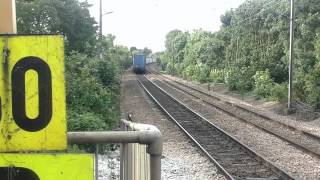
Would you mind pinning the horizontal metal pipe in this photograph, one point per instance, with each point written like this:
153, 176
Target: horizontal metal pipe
103, 137
149, 137
142, 134
151, 134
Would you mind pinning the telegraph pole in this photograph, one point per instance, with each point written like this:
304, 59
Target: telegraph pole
291, 55
100, 21
8, 23
100, 31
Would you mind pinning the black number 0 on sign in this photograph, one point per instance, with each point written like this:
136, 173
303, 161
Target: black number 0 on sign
17, 173
18, 93
32, 93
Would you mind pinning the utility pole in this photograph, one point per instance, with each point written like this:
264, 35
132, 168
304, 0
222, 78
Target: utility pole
100, 21
100, 31
291, 55
8, 23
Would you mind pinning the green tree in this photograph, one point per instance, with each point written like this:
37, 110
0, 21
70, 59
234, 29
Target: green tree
68, 17
250, 51
147, 51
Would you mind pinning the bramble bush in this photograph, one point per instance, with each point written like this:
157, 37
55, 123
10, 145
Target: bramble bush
238, 79
188, 72
280, 92
93, 91
217, 75
313, 87
86, 92
263, 84
201, 73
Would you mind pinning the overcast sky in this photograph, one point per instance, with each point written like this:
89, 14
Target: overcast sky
144, 23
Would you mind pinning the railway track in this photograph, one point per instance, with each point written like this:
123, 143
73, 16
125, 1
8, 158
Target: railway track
234, 159
302, 139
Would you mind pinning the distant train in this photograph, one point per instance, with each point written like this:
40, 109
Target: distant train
139, 63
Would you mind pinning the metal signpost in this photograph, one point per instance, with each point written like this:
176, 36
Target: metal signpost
33, 110
46, 166
33, 106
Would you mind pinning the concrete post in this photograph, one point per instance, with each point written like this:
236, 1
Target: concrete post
8, 23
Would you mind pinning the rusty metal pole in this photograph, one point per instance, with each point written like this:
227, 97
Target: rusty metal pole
8, 23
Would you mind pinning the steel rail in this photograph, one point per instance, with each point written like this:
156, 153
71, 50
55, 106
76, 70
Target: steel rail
243, 108
258, 157
313, 151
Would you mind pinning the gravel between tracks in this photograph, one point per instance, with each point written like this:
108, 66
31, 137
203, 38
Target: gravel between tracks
270, 125
181, 160
276, 150
109, 165
293, 120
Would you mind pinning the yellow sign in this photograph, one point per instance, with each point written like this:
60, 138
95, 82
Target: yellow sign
47, 166
32, 92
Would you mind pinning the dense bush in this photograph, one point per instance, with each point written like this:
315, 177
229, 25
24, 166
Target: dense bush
250, 51
89, 92
85, 121
263, 84
188, 72
201, 73
313, 87
236, 83
217, 75
280, 92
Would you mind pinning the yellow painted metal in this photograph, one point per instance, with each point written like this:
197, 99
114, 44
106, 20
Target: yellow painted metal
53, 166
8, 17
32, 94
49, 48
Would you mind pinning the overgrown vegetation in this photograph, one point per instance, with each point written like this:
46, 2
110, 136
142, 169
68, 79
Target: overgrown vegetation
92, 85
250, 51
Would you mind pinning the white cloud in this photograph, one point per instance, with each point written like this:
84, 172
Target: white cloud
144, 23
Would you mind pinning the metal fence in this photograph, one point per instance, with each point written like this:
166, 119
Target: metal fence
138, 161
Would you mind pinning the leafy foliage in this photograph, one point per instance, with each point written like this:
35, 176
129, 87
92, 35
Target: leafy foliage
68, 17
250, 51
280, 92
217, 75
262, 83
92, 85
85, 90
